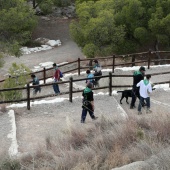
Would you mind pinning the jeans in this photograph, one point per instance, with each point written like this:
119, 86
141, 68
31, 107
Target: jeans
35, 90
142, 101
84, 113
56, 87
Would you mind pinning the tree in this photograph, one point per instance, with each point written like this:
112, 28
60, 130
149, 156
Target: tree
122, 26
96, 28
17, 23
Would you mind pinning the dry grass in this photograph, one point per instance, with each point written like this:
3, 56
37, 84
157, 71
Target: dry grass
104, 145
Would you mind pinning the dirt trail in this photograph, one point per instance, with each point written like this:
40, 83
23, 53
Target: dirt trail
54, 29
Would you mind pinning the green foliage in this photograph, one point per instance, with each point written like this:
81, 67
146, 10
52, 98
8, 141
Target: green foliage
17, 23
89, 50
46, 6
1, 60
18, 78
121, 26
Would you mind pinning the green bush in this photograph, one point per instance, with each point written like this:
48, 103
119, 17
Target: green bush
46, 6
18, 78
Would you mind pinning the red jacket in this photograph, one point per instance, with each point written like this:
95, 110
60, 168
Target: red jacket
57, 74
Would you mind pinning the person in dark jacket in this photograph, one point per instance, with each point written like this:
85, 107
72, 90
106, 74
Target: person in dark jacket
97, 70
88, 103
137, 77
35, 81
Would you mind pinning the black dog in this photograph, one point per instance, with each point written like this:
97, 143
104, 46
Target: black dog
126, 94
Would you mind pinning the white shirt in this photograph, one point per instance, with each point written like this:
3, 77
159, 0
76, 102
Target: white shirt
144, 89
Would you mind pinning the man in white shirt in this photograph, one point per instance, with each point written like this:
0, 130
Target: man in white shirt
145, 90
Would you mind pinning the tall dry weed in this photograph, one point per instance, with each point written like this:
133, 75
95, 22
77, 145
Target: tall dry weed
105, 145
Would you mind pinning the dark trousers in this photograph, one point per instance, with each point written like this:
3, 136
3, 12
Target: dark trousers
97, 74
135, 94
84, 114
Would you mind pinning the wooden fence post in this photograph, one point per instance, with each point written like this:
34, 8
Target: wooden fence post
28, 96
113, 64
110, 83
133, 60
78, 66
44, 75
71, 89
149, 58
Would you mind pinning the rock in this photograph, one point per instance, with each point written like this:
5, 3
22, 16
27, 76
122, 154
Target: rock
140, 165
42, 40
53, 43
45, 18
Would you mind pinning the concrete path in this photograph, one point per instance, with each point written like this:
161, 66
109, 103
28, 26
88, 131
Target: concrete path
8, 140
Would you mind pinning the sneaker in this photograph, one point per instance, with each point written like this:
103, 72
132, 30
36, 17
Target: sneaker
132, 107
95, 118
139, 113
82, 121
148, 111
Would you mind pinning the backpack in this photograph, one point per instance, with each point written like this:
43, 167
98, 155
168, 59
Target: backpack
61, 74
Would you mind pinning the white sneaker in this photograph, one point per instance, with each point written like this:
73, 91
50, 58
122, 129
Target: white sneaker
139, 113
148, 111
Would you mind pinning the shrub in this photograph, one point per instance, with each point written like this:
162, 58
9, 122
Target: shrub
18, 78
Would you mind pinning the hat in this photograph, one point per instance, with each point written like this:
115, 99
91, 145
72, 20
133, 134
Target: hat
142, 68
89, 85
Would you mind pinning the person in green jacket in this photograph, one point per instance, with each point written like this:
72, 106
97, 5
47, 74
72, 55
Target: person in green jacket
88, 103
137, 77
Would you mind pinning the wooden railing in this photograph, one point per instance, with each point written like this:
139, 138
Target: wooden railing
110, 87
149, 58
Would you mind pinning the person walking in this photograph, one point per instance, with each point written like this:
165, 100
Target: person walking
97, 69
145, 90
90, 76
36, 83
137, 77
56, 78
88, 103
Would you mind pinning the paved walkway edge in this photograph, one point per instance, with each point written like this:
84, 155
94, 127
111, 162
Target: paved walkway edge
13, 150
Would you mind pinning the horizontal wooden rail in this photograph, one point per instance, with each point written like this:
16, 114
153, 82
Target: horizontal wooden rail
133, 55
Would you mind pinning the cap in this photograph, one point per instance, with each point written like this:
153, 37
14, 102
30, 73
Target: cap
142, 68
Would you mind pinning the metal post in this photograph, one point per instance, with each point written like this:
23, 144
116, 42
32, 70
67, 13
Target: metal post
71, 89
28, 96
78, 66
110, 83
